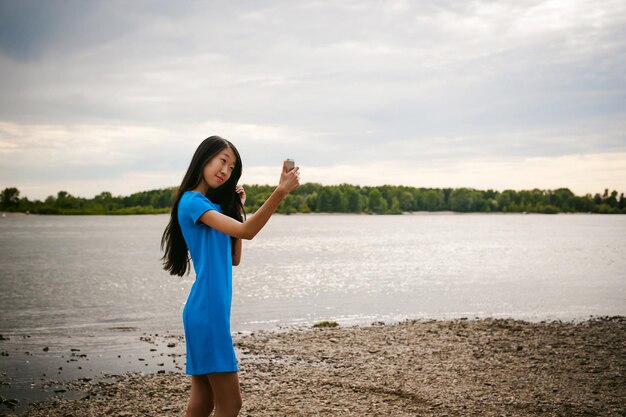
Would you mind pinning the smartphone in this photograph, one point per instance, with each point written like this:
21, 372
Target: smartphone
291, 164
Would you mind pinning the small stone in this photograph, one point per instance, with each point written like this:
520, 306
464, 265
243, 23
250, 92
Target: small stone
13, 402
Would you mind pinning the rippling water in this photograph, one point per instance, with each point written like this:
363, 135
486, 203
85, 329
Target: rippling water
89, 272
97, 282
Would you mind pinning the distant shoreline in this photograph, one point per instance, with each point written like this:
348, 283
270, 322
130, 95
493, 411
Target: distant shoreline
408, 213
342, 198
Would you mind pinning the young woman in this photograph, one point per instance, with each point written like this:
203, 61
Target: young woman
208, 221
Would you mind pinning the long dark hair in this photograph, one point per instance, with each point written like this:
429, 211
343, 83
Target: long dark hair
176, 257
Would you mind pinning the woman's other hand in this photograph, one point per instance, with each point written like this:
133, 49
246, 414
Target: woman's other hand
289, 180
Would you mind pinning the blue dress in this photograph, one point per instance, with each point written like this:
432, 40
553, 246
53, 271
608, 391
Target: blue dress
206, 316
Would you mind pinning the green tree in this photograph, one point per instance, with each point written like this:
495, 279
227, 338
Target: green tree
288, 205
376, 202
338, 201
433, 200
311, 201
395, 206
407, 202
491, 205
65, 200
10, 198
446, 197
505, 199
324, 203
355, 201
462, 199
612, 199
341, 198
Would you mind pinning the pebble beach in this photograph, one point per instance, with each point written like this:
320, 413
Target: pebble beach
481, 367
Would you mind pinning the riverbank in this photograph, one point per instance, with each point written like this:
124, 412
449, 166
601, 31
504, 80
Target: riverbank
487, 367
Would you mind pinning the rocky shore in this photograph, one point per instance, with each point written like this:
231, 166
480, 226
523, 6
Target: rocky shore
487, 367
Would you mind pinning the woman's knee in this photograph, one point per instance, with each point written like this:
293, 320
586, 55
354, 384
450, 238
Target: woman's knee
201, 399
199, 408
226, 393
230, 409
228, 406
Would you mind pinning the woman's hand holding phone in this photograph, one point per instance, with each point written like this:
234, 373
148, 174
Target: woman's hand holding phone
289, 178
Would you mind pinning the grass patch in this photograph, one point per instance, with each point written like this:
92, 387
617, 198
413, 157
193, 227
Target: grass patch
323, 324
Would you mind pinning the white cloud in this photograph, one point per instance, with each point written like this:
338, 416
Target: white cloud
329, 83
74, 145
583, 174
590, 173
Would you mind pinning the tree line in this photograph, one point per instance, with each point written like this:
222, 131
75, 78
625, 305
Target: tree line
344, 198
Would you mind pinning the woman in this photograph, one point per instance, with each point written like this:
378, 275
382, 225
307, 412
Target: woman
207, 220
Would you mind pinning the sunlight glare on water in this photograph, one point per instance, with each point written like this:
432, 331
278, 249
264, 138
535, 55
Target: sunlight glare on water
94, 272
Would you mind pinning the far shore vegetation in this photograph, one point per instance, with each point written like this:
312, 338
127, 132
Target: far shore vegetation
344, 198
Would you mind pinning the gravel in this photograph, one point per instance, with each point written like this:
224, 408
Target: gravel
486, 367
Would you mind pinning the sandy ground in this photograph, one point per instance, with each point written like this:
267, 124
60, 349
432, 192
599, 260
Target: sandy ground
488, 367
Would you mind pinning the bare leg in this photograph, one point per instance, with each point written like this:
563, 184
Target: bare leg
201, 398
226, 393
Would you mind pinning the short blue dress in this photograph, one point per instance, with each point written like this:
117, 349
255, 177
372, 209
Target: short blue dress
206, 316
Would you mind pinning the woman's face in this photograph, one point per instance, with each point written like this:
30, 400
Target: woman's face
219, 169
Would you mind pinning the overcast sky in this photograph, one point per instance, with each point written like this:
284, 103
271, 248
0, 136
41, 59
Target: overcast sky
116, 95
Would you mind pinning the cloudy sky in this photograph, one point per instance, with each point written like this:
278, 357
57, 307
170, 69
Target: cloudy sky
116, 95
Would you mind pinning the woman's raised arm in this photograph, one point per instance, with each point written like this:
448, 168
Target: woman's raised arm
248, 230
